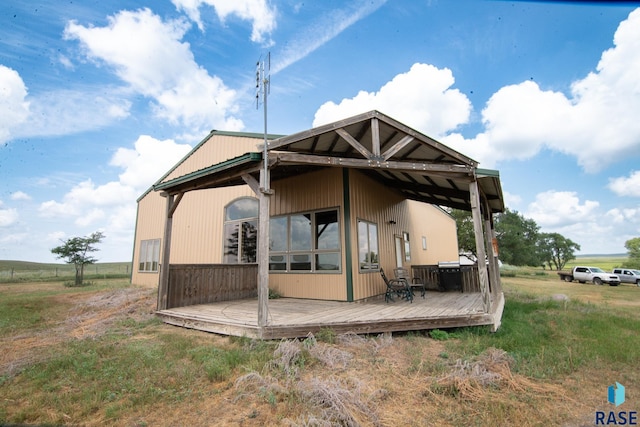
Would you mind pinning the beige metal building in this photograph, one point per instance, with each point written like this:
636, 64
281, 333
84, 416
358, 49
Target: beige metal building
343, 201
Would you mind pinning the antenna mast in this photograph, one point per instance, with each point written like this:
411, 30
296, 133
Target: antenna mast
263, 86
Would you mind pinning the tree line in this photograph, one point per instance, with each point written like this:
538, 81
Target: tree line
520, 242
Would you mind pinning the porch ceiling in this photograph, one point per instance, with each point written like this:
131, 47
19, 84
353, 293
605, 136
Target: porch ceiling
417, 166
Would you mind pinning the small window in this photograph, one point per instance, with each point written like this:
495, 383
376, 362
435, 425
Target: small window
149, 259
407, 247
424, 243
368, 256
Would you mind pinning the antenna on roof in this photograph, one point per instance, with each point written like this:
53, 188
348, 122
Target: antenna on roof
263, 85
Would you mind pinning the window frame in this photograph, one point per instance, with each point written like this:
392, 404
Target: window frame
149, 260
288, 255
239, 224
371, 267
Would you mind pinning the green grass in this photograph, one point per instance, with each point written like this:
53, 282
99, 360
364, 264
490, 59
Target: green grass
549, 339
23, 271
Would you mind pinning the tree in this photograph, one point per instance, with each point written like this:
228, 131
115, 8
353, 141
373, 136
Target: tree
633, 250
517, 239
466, 234
556, 250
76, 251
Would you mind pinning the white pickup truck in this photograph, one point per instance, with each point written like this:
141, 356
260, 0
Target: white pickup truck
589, 274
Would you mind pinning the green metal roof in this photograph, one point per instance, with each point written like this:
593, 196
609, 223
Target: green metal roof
219, 167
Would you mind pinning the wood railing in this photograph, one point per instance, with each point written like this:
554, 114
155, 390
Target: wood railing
191, 284
431, 277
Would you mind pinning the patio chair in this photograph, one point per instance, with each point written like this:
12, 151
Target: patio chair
414, 282
396, 287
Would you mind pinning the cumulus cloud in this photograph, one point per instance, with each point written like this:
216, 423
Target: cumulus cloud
555, 209
626, 186
147, 53
20, 195
113, 203
422, 98
597, 123
14, 108
8, 217
259, 12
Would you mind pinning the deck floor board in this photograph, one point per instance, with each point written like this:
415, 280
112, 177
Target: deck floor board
291, 317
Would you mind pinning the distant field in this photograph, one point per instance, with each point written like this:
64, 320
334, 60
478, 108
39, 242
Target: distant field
18, 271
605, 262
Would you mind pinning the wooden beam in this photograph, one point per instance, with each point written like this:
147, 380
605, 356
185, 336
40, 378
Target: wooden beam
480, 250
375, 137
163, 286
263, 251
407, 139
252, 183
354, 143
458, 172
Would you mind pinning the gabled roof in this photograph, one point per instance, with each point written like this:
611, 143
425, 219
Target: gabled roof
399, 157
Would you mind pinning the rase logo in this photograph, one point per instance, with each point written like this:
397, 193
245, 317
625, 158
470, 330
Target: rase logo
615, 396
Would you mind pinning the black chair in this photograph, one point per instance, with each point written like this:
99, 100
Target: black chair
396, 287
414, 282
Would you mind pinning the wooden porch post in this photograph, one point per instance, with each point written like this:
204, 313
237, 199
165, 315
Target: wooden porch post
480, 250
163, 286
263, 250
494, 268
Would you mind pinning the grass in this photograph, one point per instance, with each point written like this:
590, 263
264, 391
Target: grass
561, 355
24, 271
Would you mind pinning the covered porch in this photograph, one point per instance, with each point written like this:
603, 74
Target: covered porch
387, 155
293, 317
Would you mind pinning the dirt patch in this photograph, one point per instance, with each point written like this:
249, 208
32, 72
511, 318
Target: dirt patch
85, 315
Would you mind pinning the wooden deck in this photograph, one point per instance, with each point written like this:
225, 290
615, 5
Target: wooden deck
291, 317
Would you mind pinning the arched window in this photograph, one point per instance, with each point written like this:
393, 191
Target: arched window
241, 231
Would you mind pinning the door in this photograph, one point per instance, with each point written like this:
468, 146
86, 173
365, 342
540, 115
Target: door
399, 256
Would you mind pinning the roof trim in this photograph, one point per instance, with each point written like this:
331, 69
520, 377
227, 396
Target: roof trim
246, 158
202, 142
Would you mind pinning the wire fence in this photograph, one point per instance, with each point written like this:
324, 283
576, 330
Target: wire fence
63, 272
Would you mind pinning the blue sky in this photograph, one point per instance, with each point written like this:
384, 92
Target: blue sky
99, 99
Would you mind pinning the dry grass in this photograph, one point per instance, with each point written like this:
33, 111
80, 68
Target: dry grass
383, 380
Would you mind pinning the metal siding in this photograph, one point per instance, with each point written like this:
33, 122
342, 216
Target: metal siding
309, 192
440, 230
375, 203
150, 225
198, 222
217, 149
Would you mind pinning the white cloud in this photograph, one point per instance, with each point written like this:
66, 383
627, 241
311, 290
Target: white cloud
421, 98
327, 26
555, 209
626, 186
112, 205
147, 161
259, 12
8, 217
14, 109
20, 195
148, 54
597, 124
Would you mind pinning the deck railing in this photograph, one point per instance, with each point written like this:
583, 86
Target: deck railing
433, 279
191, 284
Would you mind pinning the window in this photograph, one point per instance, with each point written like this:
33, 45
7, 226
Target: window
149, 255
368, 246
241, 231
424, 243
305, 242
407, 247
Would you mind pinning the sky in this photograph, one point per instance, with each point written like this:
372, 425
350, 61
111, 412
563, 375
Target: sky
99, 99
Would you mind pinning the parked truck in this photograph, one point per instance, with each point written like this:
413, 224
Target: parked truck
593, 275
